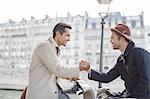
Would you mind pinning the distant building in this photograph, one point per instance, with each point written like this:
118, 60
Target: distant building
147, 38
18, 39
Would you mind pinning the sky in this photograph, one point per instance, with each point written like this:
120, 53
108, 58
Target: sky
18, 9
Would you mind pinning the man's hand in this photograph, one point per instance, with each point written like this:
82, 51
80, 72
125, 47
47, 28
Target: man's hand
84, 65
72, 79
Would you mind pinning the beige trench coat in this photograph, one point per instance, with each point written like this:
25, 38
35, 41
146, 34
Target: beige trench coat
44, 69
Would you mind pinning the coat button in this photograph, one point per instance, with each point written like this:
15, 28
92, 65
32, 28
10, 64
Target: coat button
55, 92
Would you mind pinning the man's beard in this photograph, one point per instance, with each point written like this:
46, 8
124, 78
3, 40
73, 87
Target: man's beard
64, 44
115, 48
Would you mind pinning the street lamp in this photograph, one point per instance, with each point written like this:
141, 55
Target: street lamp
105, 4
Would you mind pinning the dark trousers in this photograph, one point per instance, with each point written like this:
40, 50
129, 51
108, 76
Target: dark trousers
61, 94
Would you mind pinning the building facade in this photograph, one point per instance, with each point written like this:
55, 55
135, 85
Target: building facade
18, 40
147, 38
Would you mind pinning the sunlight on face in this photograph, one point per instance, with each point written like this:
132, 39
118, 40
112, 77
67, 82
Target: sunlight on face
114, 40
65, 37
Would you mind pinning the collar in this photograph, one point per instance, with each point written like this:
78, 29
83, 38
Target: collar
53, 42
55, 45
123, 52
130, 46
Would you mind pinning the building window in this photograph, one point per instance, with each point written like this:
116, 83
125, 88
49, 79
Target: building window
93, 25
67, 61
75, 61
77, 29
88, 53
133, 23
97, 60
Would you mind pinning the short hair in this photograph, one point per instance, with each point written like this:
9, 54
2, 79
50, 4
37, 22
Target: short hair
61, 28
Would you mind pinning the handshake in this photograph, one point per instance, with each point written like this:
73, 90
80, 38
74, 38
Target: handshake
84, 65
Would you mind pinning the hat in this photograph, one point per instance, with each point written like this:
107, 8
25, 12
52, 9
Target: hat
123, 30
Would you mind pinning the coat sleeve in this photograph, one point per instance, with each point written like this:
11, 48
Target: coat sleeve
104, 77
48, 56
142, 62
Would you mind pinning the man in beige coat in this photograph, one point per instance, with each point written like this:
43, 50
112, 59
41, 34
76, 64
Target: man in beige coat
46, 67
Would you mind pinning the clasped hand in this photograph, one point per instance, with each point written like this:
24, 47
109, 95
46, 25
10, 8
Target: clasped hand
84, 65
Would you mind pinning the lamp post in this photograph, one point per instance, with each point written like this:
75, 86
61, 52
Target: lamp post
103, 15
